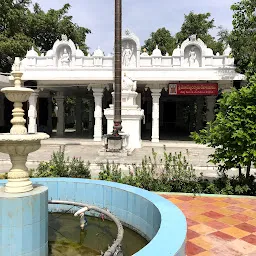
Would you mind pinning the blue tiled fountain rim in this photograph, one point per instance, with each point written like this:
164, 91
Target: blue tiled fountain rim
155, 217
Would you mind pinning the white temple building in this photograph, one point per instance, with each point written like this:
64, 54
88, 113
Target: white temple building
176, 94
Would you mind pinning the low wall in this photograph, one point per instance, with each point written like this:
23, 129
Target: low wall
155, 217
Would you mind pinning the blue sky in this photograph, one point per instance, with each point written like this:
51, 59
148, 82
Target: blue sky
140, 16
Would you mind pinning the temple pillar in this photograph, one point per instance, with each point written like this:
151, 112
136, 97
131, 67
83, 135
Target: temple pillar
60, 114
1, 109
155, 93
199, 112
49, 119
98, 93
78, 115
210, 103
32, 112
138, 100
149, 113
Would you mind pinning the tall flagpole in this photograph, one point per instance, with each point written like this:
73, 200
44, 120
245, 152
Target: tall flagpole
118, 67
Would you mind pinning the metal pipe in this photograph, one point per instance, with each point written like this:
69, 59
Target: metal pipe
120, 231
118, 67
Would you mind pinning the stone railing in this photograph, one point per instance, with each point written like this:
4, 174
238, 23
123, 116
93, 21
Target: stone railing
107, 62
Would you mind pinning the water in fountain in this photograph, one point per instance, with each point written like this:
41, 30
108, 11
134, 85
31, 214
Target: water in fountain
66, 239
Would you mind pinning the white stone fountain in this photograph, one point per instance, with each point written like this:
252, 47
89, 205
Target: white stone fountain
24, 207
18, 143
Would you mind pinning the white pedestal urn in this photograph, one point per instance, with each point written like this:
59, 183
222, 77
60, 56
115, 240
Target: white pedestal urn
131, 114
18, 147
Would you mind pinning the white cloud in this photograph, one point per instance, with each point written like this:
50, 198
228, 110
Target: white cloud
141, 16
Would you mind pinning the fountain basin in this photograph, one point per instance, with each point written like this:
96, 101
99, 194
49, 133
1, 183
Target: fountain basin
17, 94
21, 144
18, 147
155, 218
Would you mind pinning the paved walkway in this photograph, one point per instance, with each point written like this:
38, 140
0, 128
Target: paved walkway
221, 226
87, 149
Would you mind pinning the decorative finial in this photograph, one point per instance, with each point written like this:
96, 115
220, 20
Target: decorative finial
127, 32
192, 38
16, 65
144, 50
64, 38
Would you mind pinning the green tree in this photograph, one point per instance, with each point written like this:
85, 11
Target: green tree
243, 36
200, 25
233, 133
163, 38
13, 40
46, 27
223, 36
21, 28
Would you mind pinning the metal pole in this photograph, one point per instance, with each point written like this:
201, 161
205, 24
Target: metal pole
118, 67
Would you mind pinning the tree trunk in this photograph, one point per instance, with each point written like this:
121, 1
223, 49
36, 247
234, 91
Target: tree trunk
239, 171
248, 169
118, 67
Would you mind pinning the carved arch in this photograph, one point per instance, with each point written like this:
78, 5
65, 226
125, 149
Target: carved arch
131, 36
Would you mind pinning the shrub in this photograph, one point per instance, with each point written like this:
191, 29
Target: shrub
173, 173
59, 166
79, 169
110, 172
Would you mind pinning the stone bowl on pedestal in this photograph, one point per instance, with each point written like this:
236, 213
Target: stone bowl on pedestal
18, 147
18, 95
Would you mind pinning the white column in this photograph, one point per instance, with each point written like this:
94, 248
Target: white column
60, 114
210, 103
98, 93
155, 93
49, 119
1, 109
78, 115
138, 100
32, 112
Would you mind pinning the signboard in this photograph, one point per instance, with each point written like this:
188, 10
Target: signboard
193, 89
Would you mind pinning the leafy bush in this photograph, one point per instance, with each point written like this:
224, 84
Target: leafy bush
232, 134
172, 173
59, 166
110, 172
